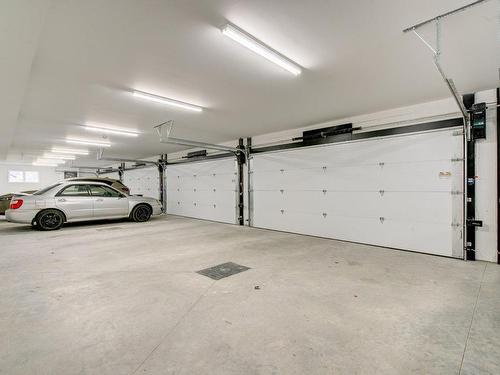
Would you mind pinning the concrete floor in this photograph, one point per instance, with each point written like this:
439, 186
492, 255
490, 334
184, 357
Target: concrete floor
124, 298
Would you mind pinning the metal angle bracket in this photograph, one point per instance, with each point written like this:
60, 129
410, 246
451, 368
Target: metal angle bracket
436, 51
166, 138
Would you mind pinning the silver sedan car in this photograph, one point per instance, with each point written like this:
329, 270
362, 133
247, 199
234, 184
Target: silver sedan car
71, 201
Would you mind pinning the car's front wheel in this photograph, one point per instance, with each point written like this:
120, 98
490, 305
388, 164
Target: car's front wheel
141, 213
49, 220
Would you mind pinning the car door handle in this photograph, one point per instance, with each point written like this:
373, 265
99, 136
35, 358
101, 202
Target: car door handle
61, 200
99, 200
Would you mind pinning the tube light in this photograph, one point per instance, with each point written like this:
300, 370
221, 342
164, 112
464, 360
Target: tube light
88, 143
171, 102
260, 48
50, 161
40, 164
110, 131
59, 156
69, 151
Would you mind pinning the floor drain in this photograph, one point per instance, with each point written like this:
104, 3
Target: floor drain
223, 270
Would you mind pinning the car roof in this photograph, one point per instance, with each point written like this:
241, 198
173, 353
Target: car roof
90, 179
86, 182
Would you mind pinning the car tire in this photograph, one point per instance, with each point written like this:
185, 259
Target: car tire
141, 213
49, 220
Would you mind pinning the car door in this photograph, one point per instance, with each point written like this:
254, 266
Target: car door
75, 201
108, 202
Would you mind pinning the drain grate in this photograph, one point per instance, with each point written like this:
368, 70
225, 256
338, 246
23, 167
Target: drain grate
223, 270
110, 228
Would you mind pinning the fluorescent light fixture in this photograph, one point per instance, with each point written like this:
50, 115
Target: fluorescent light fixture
58, 156
88, 143
50, 161
99, 129
40, 164
255, 45
171, 102
69, 151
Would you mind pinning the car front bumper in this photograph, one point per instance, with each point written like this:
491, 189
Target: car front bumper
20, 216
156, 209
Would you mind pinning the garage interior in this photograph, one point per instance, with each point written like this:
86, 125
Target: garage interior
327, 170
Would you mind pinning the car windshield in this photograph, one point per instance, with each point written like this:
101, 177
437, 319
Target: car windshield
43, 191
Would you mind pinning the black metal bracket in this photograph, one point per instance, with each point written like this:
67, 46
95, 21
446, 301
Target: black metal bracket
121, 170
162, 164
347, 134
241, 160
477, 115
474, 223
478, 121
195, 154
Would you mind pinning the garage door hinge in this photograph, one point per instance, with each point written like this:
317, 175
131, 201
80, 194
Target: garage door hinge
456, 192
381, 192
457, 159
382, 219
474, 223
456, 225
468, 247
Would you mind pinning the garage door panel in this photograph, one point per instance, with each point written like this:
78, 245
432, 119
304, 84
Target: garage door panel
204, 190
420, 176
427, 237
356, 204
408, 235
417, 206
143, 181
377, 191
300, 179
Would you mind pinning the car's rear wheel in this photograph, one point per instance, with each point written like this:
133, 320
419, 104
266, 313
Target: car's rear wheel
141, 213
49, 220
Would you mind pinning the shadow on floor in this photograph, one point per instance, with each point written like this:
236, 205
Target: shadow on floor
13, 228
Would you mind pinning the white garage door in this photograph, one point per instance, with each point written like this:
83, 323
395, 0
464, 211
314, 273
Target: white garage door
402, 192
143, 181
204, 190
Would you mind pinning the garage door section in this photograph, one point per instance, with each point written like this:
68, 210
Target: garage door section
203, 190
401, 192
143, 181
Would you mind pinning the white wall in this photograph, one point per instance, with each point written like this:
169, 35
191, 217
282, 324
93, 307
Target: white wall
486, 182
47, 176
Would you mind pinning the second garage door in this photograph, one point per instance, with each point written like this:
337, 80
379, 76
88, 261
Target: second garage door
401, 192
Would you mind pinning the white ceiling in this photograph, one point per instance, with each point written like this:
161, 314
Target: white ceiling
70, 62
